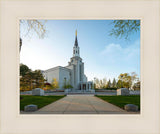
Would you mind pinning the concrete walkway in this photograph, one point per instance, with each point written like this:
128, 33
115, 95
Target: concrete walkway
80, 104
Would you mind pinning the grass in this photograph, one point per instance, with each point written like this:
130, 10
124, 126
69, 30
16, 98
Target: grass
120, 101
40, 101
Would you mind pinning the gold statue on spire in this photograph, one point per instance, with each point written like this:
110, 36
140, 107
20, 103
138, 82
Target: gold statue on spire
76, 32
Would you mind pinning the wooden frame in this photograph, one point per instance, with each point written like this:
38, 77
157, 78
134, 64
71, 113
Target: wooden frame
147, 122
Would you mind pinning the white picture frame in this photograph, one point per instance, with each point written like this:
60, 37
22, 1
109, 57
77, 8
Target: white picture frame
147, 121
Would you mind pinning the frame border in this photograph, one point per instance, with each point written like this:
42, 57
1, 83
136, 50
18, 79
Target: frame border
12, 11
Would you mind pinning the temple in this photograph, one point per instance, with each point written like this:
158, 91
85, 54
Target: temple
72, 74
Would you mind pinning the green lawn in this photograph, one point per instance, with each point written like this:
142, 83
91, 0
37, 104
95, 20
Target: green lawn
120, 101
40, 101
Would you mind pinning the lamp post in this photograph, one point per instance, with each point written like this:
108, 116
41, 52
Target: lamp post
94, 82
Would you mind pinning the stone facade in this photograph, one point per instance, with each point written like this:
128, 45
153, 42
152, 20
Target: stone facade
123, 91
38, 92
73, 73
131, 107
30, 108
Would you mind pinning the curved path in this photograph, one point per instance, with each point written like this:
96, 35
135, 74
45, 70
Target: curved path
80, 104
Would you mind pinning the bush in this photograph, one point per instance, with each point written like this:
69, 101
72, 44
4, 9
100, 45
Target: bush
110, 88
105, 89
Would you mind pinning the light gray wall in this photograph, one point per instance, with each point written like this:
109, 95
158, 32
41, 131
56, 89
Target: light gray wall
70, 72
64, 73
51, 73
59, 73
71, 67
85, 78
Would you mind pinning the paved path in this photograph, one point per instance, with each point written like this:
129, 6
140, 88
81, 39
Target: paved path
80, 104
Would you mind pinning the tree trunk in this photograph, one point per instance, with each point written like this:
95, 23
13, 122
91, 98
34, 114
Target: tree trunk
20, 44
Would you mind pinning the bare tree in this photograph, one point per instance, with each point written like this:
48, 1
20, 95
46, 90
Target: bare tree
29, 27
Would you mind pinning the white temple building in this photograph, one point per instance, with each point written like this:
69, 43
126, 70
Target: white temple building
73, 73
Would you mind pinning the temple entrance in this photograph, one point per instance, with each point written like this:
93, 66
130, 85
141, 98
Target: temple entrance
87, 86
84, 86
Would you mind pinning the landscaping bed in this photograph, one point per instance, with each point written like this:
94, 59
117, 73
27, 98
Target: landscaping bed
40, 101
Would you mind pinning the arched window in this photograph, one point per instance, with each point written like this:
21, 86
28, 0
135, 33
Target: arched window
74, 52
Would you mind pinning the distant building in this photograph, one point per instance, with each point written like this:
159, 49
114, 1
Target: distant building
72, 74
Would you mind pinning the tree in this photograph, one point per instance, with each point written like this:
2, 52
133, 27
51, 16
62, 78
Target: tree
23, 69
104, 83
109, 84
31, 79
24, 86
134, 77
137, 85
114, 83
96, 82
119, 84
55, 83
126, 80
123, 28
47, 86
101, 84
38, 79
67, 84
26, 81
28, 27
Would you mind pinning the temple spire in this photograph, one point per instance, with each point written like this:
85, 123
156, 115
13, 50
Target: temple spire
76, 41
76, 48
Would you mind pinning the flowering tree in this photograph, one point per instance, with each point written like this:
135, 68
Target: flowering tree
55, 83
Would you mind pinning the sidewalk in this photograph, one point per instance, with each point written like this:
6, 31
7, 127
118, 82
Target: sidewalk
80, 104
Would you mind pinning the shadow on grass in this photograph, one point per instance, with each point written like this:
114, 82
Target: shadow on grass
40, 101
120, 101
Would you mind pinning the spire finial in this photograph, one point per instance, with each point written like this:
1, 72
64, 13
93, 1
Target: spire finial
76, 32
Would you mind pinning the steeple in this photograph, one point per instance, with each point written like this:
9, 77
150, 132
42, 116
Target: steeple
76, 47
76, 41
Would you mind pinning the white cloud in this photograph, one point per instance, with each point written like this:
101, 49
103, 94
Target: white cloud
109, 49
116, 53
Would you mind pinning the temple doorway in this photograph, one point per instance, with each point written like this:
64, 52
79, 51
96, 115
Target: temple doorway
84, 86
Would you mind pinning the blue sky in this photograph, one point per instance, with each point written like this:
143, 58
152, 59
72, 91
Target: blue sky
104, 56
